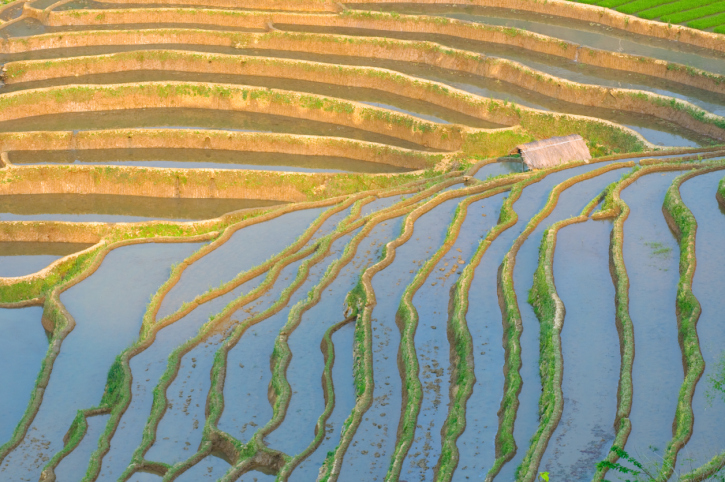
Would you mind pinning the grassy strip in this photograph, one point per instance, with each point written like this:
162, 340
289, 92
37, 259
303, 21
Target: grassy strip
463, 377
244, 455
550, 311
117, 395
355, 301
160, 402
71, 267
711, 468
407, 320
614, 207
150, 327
505, 443
63, 323
363, 359
684, 225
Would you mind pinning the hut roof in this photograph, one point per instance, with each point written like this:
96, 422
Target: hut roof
554, 151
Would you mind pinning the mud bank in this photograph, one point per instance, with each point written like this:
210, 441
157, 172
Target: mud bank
421, 24
626, 100
211, 140
592, 13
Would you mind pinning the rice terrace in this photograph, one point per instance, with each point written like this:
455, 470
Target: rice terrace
400, 240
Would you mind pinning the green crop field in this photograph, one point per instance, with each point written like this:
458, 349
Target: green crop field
699, 14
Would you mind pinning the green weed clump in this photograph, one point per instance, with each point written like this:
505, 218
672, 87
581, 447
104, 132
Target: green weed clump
60, 275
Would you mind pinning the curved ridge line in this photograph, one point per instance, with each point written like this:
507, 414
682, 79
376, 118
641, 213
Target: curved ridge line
505, 443
407, 318
684, 225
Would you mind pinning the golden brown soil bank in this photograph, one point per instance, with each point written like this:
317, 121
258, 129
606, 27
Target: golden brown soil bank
641, 102
224, 140
189, 183
411, 24
591, 13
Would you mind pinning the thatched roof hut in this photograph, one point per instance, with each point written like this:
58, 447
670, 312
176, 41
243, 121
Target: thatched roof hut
554, 151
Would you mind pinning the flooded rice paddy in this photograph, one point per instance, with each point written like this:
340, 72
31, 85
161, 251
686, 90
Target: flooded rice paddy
366, 282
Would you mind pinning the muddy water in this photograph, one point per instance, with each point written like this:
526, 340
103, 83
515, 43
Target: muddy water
42, 4
431, 341
476, 444
141, 26
30, 26
202, 159
197, 119
651, 258
106, 49
375, 439
328, 311
571, 202
107, 308
74, 466
12, 12
590, 345
707, 438
23, 346
588, 34
21, 258
24, 27
114, 209
210, 468
374, 97
146, 369
246, 248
